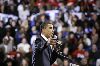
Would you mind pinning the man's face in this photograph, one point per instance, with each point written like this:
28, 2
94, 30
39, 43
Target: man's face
66, 62
49, 30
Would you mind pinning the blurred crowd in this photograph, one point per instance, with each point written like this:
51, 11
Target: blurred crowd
77, 25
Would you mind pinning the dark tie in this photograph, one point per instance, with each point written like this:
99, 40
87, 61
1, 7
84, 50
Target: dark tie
49, 51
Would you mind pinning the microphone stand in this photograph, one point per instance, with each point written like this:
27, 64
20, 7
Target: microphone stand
60, 53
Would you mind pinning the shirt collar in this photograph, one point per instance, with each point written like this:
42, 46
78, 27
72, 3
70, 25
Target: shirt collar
44, 37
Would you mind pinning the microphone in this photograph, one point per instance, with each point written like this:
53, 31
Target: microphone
55, 37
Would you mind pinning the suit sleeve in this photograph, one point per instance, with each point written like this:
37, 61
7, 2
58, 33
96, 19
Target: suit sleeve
39, 44
53, 57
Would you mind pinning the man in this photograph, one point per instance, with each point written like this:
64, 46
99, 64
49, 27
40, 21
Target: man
43, 52
43, 55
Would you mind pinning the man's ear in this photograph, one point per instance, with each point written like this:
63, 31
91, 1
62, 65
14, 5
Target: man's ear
42, 25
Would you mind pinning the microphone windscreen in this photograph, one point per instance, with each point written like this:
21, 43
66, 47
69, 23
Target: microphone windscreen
55, 37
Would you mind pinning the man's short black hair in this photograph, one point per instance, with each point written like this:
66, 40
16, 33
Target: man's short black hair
44, 24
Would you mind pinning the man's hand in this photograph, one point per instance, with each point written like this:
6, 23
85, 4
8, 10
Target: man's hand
52, 41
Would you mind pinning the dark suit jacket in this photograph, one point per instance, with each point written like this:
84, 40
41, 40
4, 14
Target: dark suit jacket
43, 55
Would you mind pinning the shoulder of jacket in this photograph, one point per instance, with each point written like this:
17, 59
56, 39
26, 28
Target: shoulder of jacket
37, 40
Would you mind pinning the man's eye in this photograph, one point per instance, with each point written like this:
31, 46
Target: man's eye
50, 27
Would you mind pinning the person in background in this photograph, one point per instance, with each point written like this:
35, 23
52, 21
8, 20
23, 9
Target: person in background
23, 47
84, 62
65, 62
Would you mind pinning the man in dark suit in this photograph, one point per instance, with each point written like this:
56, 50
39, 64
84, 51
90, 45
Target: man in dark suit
43, 55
